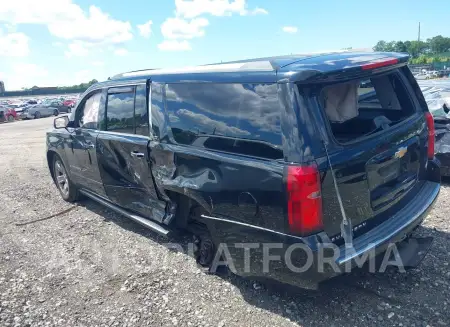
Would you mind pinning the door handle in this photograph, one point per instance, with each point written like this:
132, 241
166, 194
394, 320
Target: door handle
88, 146
136, 154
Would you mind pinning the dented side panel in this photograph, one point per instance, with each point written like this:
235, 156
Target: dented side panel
236, 187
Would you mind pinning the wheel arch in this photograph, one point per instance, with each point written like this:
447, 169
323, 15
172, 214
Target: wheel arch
51, 153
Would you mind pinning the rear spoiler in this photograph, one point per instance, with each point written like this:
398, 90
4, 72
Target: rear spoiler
352, 71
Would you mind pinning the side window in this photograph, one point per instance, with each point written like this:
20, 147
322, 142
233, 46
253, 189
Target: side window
239, 118
87, 113
157, 110
120, 110
140, 111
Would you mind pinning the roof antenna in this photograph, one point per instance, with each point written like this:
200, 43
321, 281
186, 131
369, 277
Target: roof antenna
346, 224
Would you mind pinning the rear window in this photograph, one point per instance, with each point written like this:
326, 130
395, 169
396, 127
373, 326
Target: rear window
362, 107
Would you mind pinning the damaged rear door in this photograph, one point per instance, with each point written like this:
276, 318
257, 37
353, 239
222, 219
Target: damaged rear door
125, 160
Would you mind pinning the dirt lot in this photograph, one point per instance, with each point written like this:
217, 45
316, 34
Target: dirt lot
83, 265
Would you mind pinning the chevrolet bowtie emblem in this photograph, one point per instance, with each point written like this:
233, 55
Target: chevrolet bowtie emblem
401, 153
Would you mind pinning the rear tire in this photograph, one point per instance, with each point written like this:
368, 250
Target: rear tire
55, 113
37, 115
67, 189
205, 247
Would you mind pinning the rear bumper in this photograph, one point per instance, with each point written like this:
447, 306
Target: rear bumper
318, 256
396, 228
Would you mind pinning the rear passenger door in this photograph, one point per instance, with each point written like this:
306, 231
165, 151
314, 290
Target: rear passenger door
124, 161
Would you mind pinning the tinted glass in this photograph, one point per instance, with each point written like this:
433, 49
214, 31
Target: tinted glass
157, 110
140, 111
120, 112
249, 112
87, 114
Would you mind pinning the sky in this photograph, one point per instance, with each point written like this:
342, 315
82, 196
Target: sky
67, 42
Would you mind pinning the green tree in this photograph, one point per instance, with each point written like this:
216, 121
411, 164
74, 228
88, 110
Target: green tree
439, 44
380, 46
400, 47
390, 46
417, 48
422, 59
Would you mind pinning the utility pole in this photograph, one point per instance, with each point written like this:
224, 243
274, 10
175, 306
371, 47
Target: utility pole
418, 37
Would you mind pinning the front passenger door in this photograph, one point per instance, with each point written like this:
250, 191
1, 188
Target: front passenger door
82, 155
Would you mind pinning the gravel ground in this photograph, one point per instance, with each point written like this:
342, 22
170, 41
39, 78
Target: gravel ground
83, 265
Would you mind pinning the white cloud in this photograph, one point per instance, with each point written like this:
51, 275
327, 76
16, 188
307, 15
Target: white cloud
195, 8
290, 29
121, 52
77, 49
174, 28
57, 44
26, 69
174, 45
145, 29
188, 25
20, 75
259, 11
14, 45
67, 20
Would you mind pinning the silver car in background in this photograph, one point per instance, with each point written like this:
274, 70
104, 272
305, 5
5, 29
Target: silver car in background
45, 109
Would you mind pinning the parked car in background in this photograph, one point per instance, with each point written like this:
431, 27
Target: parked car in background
69, 103
274, 151
18, 107
422, 76
40, 110
434, 73
62, 108
7, 114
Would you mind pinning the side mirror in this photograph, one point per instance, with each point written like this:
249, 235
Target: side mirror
61, 122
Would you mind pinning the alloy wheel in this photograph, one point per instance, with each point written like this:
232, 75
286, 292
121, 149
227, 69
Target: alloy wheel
61, 178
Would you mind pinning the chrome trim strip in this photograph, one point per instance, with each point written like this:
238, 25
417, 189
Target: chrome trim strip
112, 84
251, 226
377, 237
124, 134
149, 109
140, 220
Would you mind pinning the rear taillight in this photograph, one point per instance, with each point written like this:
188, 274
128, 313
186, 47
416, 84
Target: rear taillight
431, 134
304, 200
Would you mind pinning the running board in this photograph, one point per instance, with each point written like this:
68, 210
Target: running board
140, 220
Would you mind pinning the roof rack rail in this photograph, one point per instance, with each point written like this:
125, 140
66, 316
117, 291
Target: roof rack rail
133, 71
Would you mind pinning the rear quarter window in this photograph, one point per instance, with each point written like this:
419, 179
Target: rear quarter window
237, 118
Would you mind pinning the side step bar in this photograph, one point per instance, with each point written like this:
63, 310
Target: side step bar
140, 220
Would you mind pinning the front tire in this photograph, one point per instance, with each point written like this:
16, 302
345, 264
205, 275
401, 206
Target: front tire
37, 115
66, 187
55, 113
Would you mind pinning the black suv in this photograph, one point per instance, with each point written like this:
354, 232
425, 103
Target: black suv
259, 155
